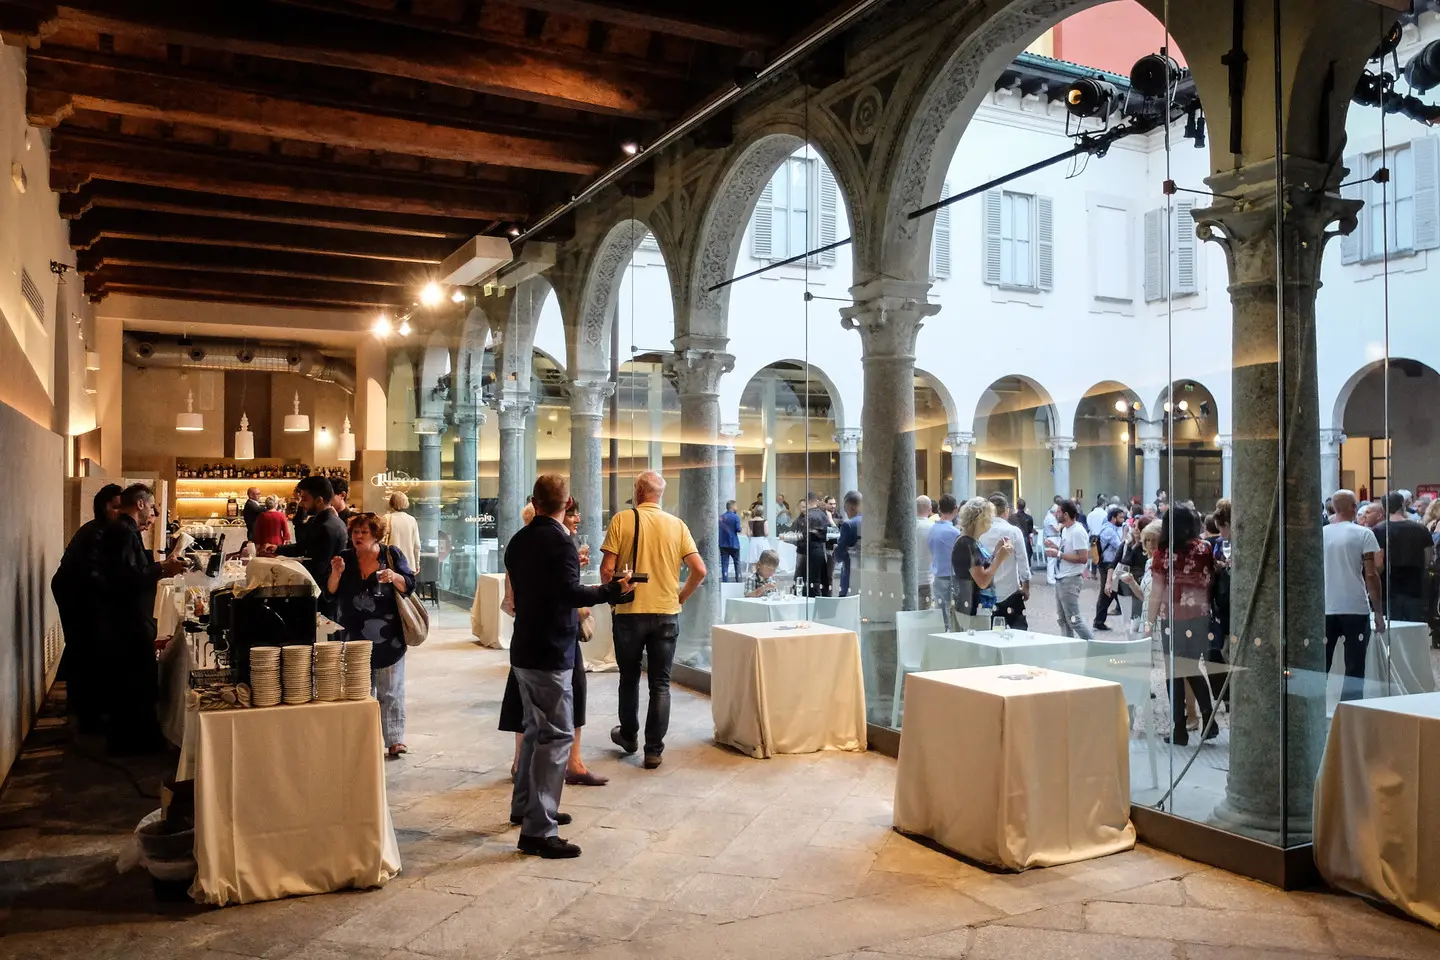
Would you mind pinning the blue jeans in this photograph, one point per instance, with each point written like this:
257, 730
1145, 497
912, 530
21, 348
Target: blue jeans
650, 636
388, 686
730, 560
943, 596
544, 749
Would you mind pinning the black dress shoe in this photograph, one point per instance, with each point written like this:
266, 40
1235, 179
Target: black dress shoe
652, 760
548, 848
1180, 738
561, 818
1100, 626
627, 747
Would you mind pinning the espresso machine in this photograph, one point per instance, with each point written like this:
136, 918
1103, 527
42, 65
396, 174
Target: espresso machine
262, 617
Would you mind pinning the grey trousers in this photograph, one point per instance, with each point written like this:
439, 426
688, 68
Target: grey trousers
549, 730
1067, 608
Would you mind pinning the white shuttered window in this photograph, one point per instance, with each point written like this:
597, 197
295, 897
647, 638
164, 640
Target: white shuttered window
940, 241
1399, 217
798, 211
1019, 240
1172, 262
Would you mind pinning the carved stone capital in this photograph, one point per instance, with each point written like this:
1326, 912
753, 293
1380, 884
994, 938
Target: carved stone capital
1061, 447
728, 432
1226, 443
888, 314
429, 426
849, 439
1151, 447
696, 372
468, 417
1330, 441
513, 408
960, 443
587, 397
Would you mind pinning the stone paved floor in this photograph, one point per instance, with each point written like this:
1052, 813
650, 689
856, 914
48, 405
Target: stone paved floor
712, 857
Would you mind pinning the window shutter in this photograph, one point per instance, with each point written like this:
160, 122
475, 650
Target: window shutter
940, 241
760, 224
1425, 152
1045, 245
1350, 246
1154, 255
1186, 279
829, 207
993, 202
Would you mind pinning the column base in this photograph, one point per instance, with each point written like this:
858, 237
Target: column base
1266, 827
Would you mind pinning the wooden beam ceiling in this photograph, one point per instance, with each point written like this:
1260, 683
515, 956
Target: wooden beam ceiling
171, 255
186, 282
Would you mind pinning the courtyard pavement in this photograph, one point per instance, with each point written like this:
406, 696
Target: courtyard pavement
712, 857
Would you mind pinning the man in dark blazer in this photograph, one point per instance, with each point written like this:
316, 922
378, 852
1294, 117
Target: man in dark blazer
319, 539
544, 570
78, 587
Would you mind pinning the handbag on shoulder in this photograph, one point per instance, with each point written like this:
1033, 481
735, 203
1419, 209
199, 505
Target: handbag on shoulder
414, 618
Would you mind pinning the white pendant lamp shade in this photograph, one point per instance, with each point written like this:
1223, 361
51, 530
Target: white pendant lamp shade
297, 422
189, 421
244, 440
345, 446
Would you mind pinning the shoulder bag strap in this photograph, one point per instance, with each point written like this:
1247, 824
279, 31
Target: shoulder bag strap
635, 546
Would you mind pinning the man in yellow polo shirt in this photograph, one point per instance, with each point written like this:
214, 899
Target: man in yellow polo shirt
648, 625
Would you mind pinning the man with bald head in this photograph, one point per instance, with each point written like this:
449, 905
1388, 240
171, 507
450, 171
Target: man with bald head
1352, 591
647, 626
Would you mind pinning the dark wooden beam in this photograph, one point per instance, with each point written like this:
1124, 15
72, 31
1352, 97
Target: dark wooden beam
25, 24
143, 225
352, 40
639, 18
110, 194
223, 285
79, 157
214, 259
63, 81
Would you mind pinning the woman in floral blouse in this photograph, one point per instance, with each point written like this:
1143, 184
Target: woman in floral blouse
1180, 606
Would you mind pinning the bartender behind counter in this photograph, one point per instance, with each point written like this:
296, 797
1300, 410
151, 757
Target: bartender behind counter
130, 574
76, 586
320, 538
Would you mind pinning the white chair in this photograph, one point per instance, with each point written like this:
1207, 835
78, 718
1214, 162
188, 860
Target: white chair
729, 591
911, 629
1128, 663
843, 612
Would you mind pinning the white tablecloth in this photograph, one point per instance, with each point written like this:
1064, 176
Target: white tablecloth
169, 605
761, 610
1407, 668
1015, 773
1377, 805
491, 625
786, 688
290, 801
987, 648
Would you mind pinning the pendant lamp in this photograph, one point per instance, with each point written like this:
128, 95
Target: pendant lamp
189, 421
345, 447
297, 422
244, 440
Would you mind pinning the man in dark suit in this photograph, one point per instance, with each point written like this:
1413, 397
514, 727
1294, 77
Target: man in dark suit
319, 539
544, 571
78, 587
254, 506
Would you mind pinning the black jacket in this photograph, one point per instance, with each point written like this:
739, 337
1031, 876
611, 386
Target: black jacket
544, 571
79, 582
130, 577
253, 509
322, 537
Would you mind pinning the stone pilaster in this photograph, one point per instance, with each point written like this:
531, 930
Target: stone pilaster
1226, 443
514, 411
849, 440
1150, 450
1330, 443
1278, 721
697, 366
587, 411
726, 449
1060, 449
962, 480
427, 515
468, 420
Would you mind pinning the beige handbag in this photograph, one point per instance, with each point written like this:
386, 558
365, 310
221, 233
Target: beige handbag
414, 618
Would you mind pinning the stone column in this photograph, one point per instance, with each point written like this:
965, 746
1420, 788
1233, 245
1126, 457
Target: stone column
514, 411
587, 409
1150, 450
697, 372
1330, 441
771, 485
468, 420
849, 440
428, 429
962, 483
1278, 613
1060, 450
728, 490
1227, 464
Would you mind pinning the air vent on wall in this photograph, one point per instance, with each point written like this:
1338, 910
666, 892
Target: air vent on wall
33, 298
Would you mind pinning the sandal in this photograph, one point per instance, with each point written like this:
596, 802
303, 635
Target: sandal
398, 749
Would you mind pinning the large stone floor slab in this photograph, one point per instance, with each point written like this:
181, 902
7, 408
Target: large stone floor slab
712, 857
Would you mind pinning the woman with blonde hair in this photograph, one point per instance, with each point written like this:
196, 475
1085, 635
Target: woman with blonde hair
974, 569
402, 532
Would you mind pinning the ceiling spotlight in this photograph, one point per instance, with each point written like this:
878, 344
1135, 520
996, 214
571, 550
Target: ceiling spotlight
515, 230
1423, 71
629, 148
1090, 97
1184, 405
458, 296
404, 328
431, 294
1121, 406
381, 327
1124, 436
1155, 75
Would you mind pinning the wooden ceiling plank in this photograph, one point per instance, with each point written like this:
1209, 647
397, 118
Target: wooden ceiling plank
77, 158
100, 224
638, 18
158, 91
216, 259
264, 28
114, 279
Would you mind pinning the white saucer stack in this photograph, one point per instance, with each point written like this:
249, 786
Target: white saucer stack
357, 669
295, 677
264, 676
329, 671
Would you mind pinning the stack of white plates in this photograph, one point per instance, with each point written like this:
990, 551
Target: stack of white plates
357, 669
295, 678
329, 671
264, 676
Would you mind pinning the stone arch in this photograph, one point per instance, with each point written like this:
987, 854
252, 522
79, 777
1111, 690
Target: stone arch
952, 413
732, 388
434, 370
1104, 388
589, 343
1397, 414
474, 340
1210, 414
727, 216
985, 406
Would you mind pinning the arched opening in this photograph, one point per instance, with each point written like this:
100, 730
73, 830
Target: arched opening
1014, 421
787, 446
934, 422
1191, 468
1390, 445
1107, 441
644, 430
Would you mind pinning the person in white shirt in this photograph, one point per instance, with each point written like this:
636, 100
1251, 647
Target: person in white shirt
1050, 534
1071, 554
401, 530
1096, 517
924, 576
1012, 576
1352, 591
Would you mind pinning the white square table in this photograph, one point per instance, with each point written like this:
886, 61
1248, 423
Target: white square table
1396, 662
763, 610
1015, 766
786, 688
1377, 805
990, 648
491, 626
